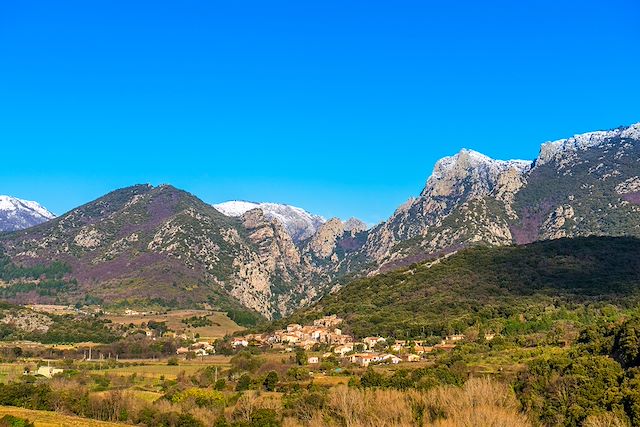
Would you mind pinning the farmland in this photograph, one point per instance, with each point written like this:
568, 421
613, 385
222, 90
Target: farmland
218, 325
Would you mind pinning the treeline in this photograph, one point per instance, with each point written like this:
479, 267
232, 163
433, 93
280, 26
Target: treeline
45, 280
10, 271
63, 328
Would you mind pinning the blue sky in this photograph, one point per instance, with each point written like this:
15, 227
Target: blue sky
340, 107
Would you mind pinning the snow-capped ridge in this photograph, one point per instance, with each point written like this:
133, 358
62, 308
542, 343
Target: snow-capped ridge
17, 214
471, 159
299, 223
553, 149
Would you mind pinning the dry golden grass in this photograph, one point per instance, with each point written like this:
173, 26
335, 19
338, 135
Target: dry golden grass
53, 419
479, 403
222, 325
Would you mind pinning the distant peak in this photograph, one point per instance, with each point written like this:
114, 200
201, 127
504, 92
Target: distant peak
553, 149
299, 223
17, 214
467, 159
354, 224
8, 203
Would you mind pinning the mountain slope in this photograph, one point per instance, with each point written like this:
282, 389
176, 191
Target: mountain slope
584, 185
164, 244
18, 214
487, 283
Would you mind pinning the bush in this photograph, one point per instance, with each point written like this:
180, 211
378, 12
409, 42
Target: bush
243, 383
271, 381
173, 361
11, 421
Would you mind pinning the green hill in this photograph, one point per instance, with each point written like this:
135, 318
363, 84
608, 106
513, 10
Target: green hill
511, 289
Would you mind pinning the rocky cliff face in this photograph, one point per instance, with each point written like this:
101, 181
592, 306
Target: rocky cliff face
18, 214
587, 184
163, 244
299, 223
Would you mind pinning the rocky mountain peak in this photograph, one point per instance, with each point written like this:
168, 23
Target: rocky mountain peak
469, 174
324, 241
299, 223
18, 214
566, 148
355, 225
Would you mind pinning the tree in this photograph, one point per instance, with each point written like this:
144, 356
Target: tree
243, 383
264, 417
245, 361
371, 378
301, 356
271, 381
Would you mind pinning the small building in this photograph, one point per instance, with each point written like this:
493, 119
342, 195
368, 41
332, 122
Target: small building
365, 359
289, 338
371, 342
293, 327
182, 350
343, 349
312, 360
418, 349
454, 337
489, 336
391, 358
237, 342
413, 358
48, 371
397, 347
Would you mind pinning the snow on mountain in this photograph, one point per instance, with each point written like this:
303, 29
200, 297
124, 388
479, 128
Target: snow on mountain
555, 150
18, 214
299, 223
467, 159
469, 174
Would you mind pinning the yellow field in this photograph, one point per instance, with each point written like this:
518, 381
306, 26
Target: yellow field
325, 380
53, 419
222, 325
155, 370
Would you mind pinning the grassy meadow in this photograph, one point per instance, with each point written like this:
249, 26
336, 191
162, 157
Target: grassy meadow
220, 325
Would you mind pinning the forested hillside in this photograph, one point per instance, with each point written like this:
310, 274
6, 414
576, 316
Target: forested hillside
506, 289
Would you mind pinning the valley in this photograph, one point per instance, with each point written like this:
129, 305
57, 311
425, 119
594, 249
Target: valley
481, 301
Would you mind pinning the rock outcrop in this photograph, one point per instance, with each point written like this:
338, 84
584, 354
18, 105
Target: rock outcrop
583, 185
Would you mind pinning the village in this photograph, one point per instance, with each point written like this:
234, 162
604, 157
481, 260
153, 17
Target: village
325, 340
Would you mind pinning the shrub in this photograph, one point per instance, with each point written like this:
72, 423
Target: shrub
244, 382
11, 421
271, 381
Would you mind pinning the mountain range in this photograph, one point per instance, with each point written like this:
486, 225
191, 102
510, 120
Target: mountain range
161, 243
